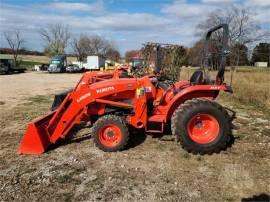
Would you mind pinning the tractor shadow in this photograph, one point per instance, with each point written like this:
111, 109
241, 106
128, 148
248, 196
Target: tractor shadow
136, 138
71, 138
232, 116
262, 197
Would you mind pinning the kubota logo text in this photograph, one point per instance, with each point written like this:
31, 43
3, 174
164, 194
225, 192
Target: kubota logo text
103, 90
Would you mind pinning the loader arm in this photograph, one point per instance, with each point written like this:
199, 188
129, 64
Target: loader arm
75, 108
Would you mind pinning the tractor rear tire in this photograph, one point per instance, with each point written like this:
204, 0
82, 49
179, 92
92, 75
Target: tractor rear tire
110, 133
201, 126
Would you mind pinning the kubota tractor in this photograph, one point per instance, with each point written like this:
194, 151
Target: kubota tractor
115, 104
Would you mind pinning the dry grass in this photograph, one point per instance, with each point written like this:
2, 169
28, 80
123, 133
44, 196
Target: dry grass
41, 59
251, 86
75, 170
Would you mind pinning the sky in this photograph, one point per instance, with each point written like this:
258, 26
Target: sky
128, 23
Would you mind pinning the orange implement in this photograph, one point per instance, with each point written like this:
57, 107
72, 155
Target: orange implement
36, 139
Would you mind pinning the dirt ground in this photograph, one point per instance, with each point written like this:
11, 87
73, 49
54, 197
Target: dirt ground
152, 169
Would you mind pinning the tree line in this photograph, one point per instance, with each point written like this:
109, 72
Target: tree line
57, 38
21, 51
243, 34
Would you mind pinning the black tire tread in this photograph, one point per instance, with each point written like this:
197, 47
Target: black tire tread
189, 105
120, 121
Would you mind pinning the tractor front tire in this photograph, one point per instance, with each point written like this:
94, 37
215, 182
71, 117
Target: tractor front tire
201, 126
110, 133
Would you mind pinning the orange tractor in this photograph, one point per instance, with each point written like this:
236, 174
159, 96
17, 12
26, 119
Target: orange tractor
115, 104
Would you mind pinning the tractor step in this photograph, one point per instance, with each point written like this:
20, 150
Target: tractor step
154, 127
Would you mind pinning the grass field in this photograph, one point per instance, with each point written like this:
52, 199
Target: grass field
151, 169
251, 86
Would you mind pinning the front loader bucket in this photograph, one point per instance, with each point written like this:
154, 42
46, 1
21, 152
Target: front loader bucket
36, 139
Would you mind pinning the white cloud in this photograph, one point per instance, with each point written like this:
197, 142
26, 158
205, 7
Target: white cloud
186, 10
263, 17
175, 24
260, 3
261, 8
13, 17
135, 27
83, 7
219, 1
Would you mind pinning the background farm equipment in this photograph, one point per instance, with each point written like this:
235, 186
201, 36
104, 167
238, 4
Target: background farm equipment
8, 65
115, 104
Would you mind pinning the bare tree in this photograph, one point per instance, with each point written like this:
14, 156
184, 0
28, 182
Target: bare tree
15, 41
132, 53
99, 45
56, 37
195, 55
79, 46
243, 29
113, 54
94, 45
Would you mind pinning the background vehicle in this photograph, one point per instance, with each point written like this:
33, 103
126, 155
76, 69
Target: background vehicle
58, 64
137, 62
41, 67
8, 65
116, 105
94, 62
74, 68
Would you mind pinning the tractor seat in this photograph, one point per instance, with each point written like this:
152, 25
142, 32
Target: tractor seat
165, 86
196, 78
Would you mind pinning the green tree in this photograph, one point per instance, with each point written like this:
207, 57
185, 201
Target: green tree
261, 53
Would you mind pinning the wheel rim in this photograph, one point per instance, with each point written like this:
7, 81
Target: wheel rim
110, 135
203, 128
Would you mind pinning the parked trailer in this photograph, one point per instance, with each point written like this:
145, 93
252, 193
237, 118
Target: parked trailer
95, 62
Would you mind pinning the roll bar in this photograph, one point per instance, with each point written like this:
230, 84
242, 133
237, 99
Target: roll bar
224, 52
